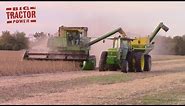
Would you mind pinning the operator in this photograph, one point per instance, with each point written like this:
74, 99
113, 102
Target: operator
70, 38
76, 38
124, 49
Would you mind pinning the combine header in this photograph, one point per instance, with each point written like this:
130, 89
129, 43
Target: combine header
71, 44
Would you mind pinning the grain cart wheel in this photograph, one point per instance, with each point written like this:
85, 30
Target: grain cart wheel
130, 60
102, 63
148, 63
139, 61
124, 66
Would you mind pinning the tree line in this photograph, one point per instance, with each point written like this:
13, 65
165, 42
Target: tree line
17, 40
163, 45
170, 45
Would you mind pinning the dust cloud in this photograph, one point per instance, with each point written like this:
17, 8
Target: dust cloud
39, 45
163, 46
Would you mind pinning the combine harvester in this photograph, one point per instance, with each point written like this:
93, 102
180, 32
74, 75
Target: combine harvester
72, 44
130, 54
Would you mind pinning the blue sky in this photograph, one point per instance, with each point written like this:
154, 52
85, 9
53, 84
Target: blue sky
136, 18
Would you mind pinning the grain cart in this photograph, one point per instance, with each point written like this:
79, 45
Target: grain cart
71, 44
129, 54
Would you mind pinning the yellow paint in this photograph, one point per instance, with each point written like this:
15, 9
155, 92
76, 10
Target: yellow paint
142, 62
141, 41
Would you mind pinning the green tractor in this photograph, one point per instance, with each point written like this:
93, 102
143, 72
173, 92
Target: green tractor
129, 55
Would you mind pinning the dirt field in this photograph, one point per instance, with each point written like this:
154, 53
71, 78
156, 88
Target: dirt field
165, 84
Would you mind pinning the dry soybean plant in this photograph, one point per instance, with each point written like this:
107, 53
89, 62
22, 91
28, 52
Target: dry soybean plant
13, 64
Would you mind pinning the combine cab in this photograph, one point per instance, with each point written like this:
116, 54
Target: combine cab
69, 45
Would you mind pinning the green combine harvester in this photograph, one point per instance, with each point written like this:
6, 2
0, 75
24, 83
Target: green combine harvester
129, 54
71, 44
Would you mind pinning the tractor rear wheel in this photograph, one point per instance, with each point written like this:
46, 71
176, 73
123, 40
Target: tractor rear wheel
130, 60
148, 63
124, 66
139, 61
102, 63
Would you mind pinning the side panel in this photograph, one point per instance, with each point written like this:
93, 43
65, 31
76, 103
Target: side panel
60, 43
57, 42
140, 44
113, 56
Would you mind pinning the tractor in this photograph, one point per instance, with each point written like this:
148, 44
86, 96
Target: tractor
130, 55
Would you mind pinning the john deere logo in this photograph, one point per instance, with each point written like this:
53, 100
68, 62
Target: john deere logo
24, 14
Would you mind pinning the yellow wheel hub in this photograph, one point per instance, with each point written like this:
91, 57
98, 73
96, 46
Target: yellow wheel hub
142, 62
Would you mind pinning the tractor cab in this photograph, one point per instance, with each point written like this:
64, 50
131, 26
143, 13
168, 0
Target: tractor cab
121, 46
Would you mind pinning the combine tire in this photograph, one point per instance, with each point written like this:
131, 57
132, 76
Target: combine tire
124, 66
102, 63
139, 61
148, 63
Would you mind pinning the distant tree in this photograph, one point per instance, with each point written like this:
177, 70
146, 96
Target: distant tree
21, 41
16, 41
183, 37
164, 45
7, 41
39, 35
179, 45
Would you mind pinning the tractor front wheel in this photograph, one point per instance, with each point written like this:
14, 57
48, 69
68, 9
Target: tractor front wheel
102, 63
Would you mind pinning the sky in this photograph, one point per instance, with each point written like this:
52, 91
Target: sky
135, 18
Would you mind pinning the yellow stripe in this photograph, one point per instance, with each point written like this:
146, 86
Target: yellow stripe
140, 41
